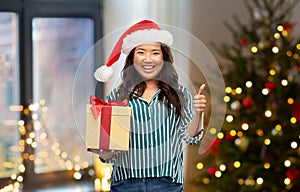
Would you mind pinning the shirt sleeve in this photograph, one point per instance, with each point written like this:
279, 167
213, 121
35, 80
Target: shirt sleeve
187, 118
112, 95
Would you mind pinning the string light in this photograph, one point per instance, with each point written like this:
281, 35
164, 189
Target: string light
278, 127
37, 111
237, 164
249, 181
294, 145
226, 98
280, 28
275, 132
13, 176
248, 84
254, 49
77, 175
20, 179
218, 174
287, 181
275, 49
33, 107
228, 90
293, 120
276, 36
267, 165
199, 165
222, 167
284, 82
206, 180
287, 163
260, 132
245, 126
272, 72
220, 135
265, 91
213, 131
284, 33
229, 118
240, 134
241, 181
268, 113
290, 101
267, 141
289, 53
21, 168
238, 90
232, 132
259, 181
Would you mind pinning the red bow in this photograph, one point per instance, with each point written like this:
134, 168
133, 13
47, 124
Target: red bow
98, 103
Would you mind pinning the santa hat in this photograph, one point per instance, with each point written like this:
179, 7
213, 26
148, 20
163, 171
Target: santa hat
145, 31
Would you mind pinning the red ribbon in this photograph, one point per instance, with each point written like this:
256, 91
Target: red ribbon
98, 105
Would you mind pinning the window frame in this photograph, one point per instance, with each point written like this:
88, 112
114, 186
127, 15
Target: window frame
27, 10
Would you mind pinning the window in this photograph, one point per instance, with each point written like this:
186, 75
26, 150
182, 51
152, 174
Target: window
9, 100
59, 44
41, 46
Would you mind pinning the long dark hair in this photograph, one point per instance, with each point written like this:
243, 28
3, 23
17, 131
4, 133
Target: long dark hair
167, 81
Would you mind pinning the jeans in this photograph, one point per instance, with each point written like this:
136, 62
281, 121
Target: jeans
156, 184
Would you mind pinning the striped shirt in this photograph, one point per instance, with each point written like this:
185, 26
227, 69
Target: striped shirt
156, 135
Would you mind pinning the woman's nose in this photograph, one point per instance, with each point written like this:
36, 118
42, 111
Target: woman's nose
147, 58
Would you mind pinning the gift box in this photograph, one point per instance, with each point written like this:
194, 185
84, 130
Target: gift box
107, 125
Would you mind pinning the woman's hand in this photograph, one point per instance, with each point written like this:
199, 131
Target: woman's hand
107, 154
200, 100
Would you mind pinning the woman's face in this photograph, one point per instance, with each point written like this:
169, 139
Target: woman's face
148, 60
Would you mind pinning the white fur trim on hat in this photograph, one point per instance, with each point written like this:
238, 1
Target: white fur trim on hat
103, 73
146, 36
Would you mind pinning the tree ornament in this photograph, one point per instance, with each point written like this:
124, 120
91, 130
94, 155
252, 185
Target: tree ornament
236, 105
263, 87
212, 170
287, 26
263, 45
292, 174
242, 143
214, 147
270, 85
260, 15
272, 42
229, 137
248, 102
296, 110
243, 41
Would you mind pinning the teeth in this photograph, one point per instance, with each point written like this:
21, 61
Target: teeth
148, 67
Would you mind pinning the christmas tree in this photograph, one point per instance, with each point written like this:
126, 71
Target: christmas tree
258, 148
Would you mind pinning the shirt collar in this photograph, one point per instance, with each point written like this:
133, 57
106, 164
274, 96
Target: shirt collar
135, 94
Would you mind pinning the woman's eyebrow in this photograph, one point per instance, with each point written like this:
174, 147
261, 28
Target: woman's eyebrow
156, 50
142, 49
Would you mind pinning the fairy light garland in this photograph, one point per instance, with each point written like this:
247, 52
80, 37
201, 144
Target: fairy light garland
38, 111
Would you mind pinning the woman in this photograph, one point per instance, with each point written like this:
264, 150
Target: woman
163, 114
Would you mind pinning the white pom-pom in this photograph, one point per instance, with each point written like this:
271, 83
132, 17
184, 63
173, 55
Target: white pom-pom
103, 73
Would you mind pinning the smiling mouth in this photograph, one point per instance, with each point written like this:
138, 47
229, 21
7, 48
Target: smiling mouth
148, 67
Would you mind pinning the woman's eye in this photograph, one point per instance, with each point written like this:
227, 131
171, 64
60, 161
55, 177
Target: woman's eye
156, 53
140, 52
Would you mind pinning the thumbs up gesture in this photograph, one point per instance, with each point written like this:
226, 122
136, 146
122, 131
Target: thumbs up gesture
200, 100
